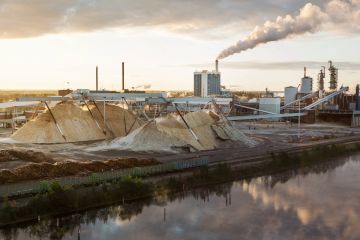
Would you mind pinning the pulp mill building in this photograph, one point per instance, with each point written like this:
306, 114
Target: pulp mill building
207, 83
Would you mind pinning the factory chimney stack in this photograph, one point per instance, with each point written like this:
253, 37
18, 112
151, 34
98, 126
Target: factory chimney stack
217, 65
357, 93
97, 78
123, 76
304, 72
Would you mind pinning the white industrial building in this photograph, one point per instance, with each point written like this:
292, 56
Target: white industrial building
271, 105
207, 83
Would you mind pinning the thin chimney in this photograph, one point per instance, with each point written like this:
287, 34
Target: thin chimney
123, 76
217, 65
97, 78
304, 71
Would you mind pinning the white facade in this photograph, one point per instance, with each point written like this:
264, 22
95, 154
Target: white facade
204, 84
270, 104
207, 83
290, 94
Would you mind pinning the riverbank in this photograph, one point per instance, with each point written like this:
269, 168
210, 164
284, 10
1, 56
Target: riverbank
302, 200
97, 171
130, 188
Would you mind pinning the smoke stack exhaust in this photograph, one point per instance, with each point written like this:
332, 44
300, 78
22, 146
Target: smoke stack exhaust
217, 65
309, 19
304, 72
97, 78
123, 76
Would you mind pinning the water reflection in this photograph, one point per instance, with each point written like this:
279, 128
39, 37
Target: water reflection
320, 202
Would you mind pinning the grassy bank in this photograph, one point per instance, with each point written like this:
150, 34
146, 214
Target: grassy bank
58, 200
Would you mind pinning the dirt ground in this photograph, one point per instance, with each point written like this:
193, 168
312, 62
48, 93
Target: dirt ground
47, 170
19, 162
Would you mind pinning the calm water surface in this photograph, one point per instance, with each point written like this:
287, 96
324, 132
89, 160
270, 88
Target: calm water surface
322, 202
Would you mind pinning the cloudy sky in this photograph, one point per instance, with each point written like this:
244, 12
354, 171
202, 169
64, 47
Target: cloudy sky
57, 44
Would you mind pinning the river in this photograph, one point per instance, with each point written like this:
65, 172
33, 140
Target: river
321, 202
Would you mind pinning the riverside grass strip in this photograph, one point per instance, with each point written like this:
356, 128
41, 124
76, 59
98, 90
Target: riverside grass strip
42, 186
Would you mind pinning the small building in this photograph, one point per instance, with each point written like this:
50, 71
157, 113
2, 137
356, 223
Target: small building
207, 83
225, 92
270, 104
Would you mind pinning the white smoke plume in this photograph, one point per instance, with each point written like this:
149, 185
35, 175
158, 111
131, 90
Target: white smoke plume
145, 86
309, 20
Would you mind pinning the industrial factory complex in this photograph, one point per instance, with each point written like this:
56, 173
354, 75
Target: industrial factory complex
86, 131
309, 102
164, 119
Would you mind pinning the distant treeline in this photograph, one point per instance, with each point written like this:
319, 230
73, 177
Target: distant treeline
9, 95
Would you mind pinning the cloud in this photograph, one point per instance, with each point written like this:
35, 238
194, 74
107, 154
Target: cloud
289, 65
21, 19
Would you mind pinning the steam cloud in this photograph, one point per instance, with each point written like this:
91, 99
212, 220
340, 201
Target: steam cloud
145, 86
310, 19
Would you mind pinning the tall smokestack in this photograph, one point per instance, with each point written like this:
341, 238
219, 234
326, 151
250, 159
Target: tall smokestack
217, 65
123, 76
304, 72
357, 97
97, 78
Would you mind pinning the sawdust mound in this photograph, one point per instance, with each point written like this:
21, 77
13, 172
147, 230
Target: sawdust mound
76, 124
34, 171
170, 132
146, 138
118, 121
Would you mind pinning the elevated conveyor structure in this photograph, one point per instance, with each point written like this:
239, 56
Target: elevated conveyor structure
326, 98
299, 100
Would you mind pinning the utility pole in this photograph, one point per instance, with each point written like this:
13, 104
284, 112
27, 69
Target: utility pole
299, 115
97, 78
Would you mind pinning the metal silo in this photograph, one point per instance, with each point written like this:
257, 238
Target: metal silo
290, 94
306, 85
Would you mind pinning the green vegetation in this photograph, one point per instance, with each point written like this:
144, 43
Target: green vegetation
317, 160
57, 200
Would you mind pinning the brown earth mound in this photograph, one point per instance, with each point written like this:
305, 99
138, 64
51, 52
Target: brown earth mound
26, 156
34, 171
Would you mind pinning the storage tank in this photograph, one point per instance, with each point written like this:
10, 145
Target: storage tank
306, 85
290, 94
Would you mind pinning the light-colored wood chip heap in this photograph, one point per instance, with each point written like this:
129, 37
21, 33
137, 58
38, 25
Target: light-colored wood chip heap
170, 132
77, 124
